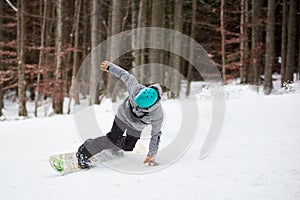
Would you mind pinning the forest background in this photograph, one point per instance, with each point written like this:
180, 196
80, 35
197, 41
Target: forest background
44, 42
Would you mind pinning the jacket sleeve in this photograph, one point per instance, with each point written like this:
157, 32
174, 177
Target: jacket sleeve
156, 131
130, 81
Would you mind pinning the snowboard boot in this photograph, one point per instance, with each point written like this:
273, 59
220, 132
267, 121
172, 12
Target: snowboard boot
83, 156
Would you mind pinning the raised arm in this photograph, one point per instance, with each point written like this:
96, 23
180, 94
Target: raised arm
130, 81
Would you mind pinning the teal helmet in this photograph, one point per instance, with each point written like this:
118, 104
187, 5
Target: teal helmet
146, 97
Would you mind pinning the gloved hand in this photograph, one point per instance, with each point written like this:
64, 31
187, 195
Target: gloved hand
150, 160
104, 65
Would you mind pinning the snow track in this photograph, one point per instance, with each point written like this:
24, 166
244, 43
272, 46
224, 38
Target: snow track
258, 157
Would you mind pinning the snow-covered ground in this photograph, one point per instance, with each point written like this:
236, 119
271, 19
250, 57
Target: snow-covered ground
257, 157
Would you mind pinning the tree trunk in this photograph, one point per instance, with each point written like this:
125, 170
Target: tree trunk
21, 57
74, 91
134, 37
1, 98
223, 50
1, 63
47, 74
95, 40
299, 54
155, 37
254, 70
114, 46
141, 37
76, 47
270, 47
163, 54
41, 58
138, 36
58, 95
192, 35
85, 28
86, 35
176, 60
284, 41
244, 47
291, 44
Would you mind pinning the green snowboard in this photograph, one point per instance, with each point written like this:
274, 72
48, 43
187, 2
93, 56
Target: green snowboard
66, 163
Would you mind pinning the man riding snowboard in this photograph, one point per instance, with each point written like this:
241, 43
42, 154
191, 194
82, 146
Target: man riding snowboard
141, 108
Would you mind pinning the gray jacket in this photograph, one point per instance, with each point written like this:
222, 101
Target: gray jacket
135, 117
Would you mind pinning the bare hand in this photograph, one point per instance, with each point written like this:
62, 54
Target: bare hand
150, 160
104, 65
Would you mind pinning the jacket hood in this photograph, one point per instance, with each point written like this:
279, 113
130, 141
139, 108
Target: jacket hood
158, 88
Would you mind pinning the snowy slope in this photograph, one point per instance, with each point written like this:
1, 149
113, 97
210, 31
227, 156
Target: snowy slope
258, 157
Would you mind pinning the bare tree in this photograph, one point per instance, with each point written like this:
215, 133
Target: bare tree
244, 47
223, 50
114, 46
134, 38
1, 63
85, 28
21, 57
41, 57
49, 57
291, 44
284, 25
141, 37
134, 34
299, 55
95, 40
76, 48
58, 95
176, 60
1, 99
254, 68
74, 91
163, 54
156, 21
270, 47
191, 53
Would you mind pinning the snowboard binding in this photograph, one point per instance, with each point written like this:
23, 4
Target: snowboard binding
83, 156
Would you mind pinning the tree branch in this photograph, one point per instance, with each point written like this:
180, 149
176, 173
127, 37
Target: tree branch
11, 5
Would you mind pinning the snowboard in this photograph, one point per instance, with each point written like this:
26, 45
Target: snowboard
66, 163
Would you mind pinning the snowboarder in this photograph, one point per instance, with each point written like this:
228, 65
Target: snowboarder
141, 108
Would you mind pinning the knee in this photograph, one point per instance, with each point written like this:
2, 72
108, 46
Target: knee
130, 143
113, 137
